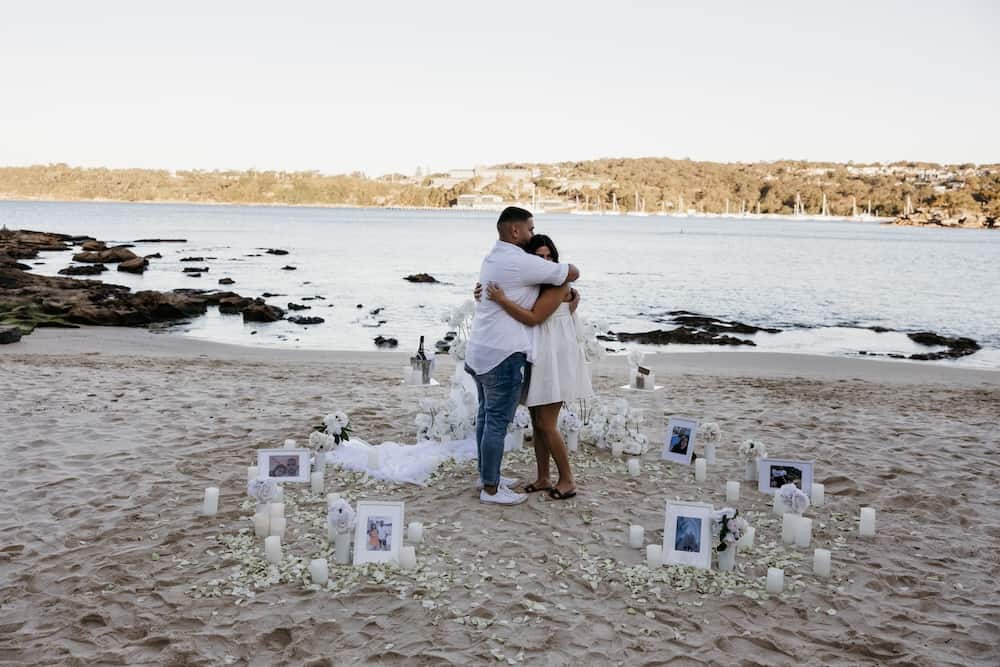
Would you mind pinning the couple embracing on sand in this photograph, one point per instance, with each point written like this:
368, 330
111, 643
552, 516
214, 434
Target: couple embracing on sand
524, 348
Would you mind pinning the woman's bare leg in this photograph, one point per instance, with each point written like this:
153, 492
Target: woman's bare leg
542, 481
546, 424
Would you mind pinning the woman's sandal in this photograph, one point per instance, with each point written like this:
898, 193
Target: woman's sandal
556, 494
531, 488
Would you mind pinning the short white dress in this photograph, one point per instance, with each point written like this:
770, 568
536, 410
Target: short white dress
560, 371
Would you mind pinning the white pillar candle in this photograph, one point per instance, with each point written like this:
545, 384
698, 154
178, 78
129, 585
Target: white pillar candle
277, 510
789, 525
779, 506
279, 495
700, 470
277, 526
635, 536
710, 452
319, 570
319, 462
746, 541
818, 495
407, 557
867, 522
342, 547
573, 441
210, 506
289, 444
317, 481
415, 532
775, 580
633, 467
750, 471
617, 449
727, 558
262, 523
253, 472
654, 555
821, 562
804, 532
272, 548
373, 462
331, 498
732, 492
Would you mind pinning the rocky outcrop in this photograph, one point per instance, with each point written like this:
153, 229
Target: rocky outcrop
226, 281
681, 336
135, 265
276, 251
939, 217
259, 311
93, 245
85, 270
420, 278
9, 335
297, 306
957, 346
382, 342
109, 256
160, 241
306, 320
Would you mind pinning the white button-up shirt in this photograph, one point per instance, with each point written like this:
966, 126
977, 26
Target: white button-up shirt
495, 334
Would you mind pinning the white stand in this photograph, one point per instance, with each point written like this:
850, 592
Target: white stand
727, 558
750, 471
710, 453
573, 441
629, 387
342, 548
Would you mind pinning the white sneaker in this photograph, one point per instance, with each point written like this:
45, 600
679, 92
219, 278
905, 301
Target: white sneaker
503, 496
504, 481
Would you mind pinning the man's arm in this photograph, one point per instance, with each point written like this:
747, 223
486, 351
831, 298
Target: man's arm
537, 271
573, 275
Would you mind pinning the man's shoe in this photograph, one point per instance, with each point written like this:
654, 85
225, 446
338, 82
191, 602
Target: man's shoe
503, 496
504, 481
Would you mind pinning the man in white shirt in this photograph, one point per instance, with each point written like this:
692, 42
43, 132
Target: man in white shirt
500, 346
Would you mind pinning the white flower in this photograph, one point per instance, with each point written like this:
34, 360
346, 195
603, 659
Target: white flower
340, 516
635, 358
423, 421
522, 417
262, 490
710, 432
794, 498
568, 421
621, 407
752, 449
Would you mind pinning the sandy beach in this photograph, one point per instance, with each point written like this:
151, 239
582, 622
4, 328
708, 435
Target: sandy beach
113, 435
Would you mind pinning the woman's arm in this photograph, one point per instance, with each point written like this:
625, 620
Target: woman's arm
545, 304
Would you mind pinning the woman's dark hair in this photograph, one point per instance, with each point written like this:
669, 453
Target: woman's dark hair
539, 240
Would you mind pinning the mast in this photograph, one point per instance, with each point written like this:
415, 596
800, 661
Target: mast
854, 207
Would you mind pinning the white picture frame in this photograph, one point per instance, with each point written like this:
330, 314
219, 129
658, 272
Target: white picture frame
687, 534
679, 428
379, 531
284, 465
772, 474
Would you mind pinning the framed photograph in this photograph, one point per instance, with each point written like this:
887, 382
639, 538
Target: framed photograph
773, 474
679, 442
284, 465
687, 534
378, 534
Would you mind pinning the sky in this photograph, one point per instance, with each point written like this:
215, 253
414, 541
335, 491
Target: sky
389, 86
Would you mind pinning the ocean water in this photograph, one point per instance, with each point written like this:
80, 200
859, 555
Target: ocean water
822, 282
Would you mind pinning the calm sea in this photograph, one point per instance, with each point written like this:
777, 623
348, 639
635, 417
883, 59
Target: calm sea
822, 282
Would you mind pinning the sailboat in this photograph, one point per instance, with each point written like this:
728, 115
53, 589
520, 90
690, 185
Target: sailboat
638, 211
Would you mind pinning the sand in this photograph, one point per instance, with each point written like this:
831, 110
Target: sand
112, 435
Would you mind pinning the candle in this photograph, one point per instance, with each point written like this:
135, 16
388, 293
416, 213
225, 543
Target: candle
277, 510
262, 523
710, 452
373, 462
821, 562
775, 580
407, 557
867, 522
746, 540
750, 471
319, 570
654, 555
732, 492
573, 441
818, 495
210, 506
272, 548
804, 532
316, 481
342, 547
252, 473
277, 526
319, 461
633, 467
279, 495
778, 506
727, 558
415, 532
789, 526
700, 470
635, 536
289, 444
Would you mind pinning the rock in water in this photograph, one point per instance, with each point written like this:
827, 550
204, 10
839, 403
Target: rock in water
383, 342
136, 265
93, 245
194, 269
682, 336
226, 281
421, 278
957, 346
9, 335
297, 306
192, 259
287, 267
306, 320
85, 270
109, 256
276, 251
258, 311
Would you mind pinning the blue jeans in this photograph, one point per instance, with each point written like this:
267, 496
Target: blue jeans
499, 390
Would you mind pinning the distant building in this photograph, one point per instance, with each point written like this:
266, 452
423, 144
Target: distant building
480, 202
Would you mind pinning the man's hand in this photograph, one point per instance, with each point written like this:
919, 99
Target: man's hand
573, 275
574, 300
477, 293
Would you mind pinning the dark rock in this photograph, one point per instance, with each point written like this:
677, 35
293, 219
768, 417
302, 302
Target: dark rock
192, 259
383, 342
9, 335
226, 281
276, 251
268, 295
306, 320
234, 305
878, 329
376, 311
109, 256
421, 278
23, 267
91, 244
137, 265
297, 306
956, 346
155, 255
160, 241
194, 269
712, 324
193, 274
258, 311
360, 305
681, 336
286, 267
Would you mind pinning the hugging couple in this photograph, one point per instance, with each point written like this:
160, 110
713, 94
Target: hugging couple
524, 348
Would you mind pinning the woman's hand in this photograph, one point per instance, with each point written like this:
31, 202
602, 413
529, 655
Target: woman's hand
494, 293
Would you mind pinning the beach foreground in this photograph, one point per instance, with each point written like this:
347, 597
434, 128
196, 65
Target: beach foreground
113, 434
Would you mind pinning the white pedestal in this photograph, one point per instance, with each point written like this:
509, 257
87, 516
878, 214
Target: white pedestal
342, 548
727, 558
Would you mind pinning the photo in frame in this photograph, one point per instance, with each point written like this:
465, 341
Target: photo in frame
678, 445
772, 474
687, 534
378, 533
284, 465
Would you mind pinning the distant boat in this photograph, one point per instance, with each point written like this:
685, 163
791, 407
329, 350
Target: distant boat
638, 211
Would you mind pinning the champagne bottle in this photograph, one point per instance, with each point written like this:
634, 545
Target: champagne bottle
420, 350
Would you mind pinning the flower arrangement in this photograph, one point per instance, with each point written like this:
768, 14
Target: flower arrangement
263, 490
752, 449
460, 320
729, 526
451, 418
340, 516
710, 432
321, 443
618, 424
337, 425
586, 335
568, 421
521, 420
794, 498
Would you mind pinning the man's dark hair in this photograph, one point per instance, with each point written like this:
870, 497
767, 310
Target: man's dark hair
513, 214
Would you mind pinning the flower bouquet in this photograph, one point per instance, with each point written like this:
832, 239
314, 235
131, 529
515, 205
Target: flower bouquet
710, 434
569, 426
750, 451
729, 526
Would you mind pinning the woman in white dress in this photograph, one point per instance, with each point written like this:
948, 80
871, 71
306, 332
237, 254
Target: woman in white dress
559, 373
